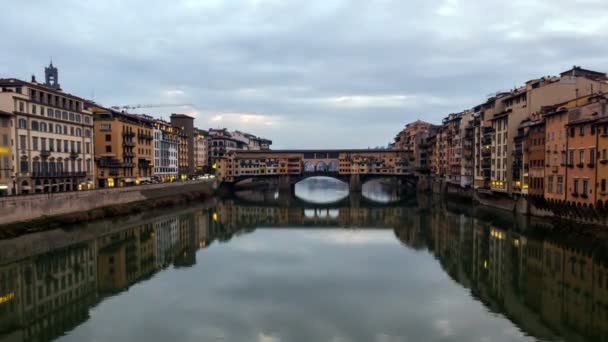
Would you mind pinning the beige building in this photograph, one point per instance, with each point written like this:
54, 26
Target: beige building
51, 133
201, 151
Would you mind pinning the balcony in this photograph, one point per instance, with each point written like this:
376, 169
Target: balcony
129, 154
145, 136
45, 154
591, 165
128, 134
580, 165
128, 144
51, 174
604, 161
73, 155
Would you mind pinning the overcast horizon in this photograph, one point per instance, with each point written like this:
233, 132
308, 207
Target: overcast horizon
324, 74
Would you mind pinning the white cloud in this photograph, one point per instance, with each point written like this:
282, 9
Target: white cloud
262, 337
378, 101
448, 8
174, 93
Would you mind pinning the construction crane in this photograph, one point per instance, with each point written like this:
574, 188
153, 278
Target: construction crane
160, 105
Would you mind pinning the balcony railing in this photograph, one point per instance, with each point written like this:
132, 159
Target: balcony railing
50, 174
129, 154
145, 136
45, 154
128, 134
73, 155
128, 143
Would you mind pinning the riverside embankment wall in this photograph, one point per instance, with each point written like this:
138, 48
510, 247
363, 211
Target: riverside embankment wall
30, 207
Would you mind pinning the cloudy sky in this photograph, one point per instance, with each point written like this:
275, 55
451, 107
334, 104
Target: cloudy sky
327, 73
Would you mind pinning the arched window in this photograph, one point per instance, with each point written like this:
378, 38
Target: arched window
87, 133
57, 114
65, 129
71, 116
43, 127
64, 115
50, 128
78, 132
58, 129
22, 123
78, 118
35, 126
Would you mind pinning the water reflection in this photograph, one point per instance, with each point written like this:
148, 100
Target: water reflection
390, 273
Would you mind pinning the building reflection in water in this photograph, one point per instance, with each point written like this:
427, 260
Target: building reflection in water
547, 286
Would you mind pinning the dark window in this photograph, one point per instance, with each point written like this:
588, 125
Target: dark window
108, 149
108, 137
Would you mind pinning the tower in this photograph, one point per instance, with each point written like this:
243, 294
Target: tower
51, 75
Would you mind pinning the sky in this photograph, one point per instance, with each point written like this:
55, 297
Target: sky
306, 74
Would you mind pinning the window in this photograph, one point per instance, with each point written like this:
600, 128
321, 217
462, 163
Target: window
550, 184
58, 145
582, 130
78, 132
35, 143
65, 146
34, 109
108, 137
21, 107
78, 118
72, 144
581, 157
105, 127
4, 139
571, 157
4, 122
87, 133
35, 125
79, 147
58, 129
24, 166
572, 130
22, 123
585, 186
50, 128
43, 127
87, 148
603, 185
108, 149
592, 129
22, 142
51, 144
575, 186
71, 116
560, 184
87, 120
72, 131
592, 156
43, 144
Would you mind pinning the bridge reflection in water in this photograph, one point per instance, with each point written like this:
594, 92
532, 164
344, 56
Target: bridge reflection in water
550, 288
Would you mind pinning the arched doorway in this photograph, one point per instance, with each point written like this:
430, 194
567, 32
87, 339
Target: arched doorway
25, 187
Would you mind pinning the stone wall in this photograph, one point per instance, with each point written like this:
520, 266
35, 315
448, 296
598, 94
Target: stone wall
29, 207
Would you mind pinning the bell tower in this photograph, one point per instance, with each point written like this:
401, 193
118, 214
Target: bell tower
51, 75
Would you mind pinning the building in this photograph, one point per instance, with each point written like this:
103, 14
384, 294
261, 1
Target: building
6, 160
51, 137
582, 147
166, 150
201, 151
123, 147
186, 160
221, 141
602, 165
534, 158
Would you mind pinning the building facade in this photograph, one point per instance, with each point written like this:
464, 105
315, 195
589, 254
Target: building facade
124, 149
51, 138
186, 160
6, 160
201, 151
166, 151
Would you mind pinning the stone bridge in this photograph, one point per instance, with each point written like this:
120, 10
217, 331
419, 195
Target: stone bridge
288, 167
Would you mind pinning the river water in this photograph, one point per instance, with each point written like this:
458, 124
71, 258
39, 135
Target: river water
319, 266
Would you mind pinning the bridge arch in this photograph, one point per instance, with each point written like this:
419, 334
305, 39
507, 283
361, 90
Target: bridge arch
309, 166
334, 166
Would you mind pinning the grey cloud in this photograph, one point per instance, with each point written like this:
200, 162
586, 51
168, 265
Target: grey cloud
293, 56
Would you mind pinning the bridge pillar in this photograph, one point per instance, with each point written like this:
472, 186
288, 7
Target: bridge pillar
355, 199
355, 183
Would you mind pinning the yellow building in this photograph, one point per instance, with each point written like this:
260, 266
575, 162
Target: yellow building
124, 148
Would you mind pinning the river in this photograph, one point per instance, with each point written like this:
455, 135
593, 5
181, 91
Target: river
322, 265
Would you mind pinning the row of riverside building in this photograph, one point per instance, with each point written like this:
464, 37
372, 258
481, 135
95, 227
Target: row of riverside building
52, 141
547, 139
